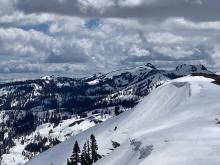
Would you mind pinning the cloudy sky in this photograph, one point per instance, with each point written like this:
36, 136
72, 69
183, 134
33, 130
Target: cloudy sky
77, 38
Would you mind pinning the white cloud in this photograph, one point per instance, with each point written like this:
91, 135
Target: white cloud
176, 52
19, 18
165, 38
187, 24
136, 51
100, 5
17, 42
130, 3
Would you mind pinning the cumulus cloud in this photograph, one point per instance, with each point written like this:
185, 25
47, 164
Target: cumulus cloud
78, 38
124, 42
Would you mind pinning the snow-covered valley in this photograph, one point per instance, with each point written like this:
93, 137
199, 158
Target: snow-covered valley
18, 154
175, 124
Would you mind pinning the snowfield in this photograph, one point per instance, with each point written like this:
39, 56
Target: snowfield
174, 125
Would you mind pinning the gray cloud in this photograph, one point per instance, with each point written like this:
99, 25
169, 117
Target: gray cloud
199, 10
71, 56
54, 36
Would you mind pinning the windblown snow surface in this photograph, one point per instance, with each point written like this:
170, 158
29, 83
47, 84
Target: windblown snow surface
174, 125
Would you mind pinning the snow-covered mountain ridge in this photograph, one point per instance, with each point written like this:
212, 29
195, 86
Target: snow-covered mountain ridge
98, 91
174, 124
33, 113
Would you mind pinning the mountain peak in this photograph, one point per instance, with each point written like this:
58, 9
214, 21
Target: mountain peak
150, 66
48, 77
194, 68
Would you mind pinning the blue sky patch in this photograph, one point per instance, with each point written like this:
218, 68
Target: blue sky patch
38, 27
93, 23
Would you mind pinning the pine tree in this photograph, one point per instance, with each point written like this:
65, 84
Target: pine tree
84, 155
88, 158
94, 148
75, 158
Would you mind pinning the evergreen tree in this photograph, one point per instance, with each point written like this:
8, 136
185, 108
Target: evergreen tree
117, 112
88, 158
84, 155
94, 148
75, 158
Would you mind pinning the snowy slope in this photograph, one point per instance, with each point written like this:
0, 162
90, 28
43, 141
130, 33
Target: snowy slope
63, 131
174, 125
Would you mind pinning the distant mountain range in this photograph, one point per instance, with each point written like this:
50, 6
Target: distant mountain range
118, 88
